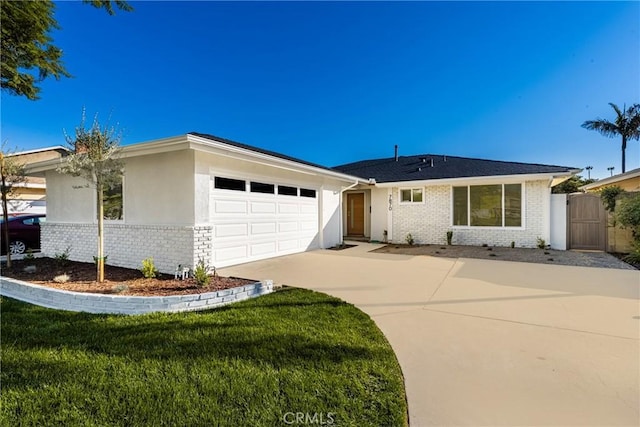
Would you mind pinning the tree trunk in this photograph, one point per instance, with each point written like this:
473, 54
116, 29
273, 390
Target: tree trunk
100, 261
624, 148
5, 214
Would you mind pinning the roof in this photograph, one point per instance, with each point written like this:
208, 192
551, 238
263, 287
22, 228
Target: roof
612, 179
59, 148
436, 166
260, 150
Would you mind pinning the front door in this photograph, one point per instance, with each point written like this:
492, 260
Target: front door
355, 214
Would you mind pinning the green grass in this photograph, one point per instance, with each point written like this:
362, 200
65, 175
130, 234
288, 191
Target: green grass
250, 363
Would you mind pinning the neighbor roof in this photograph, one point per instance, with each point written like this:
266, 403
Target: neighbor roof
612, 179
432, 166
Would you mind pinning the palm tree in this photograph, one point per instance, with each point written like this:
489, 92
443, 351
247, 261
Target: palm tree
627, 125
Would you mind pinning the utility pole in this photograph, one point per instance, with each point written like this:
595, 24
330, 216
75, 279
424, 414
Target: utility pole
588, 168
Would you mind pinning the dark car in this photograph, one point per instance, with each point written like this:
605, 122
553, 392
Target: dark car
24, 233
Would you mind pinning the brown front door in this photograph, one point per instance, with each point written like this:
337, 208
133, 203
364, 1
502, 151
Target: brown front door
355, 214
587, 227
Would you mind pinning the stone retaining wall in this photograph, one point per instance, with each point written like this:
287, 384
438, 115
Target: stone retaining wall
120, 304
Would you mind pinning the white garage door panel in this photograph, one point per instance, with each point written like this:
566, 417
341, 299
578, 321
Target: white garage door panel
230, 206
230, 254
263, 207
287, 245
288, 208
268, 248
252, 226
263, 228
230, 230
284, 227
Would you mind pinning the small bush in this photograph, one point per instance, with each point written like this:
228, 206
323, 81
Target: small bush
513, 245
409, 239
95, 259
201, 273
62, 259
608, 196
449, 237
628, 215
62, 278
29, 255
149, 270
541, 243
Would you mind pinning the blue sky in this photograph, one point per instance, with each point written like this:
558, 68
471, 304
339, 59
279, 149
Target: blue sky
339, 82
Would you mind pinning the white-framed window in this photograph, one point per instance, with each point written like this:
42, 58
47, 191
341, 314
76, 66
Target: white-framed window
490, 205
411, 195
112, 202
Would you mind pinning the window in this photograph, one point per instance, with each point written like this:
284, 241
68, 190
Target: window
260, 187
112, 203
498, 205
411, 195
460, 209
230, 184
305, 192
287, 191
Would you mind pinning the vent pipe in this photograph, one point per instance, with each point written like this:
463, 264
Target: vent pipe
396, 155
431, 162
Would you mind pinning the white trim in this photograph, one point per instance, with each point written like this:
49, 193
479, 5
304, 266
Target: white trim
40, 150
477, 180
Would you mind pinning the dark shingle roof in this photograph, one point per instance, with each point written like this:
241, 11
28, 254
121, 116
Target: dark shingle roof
417, 168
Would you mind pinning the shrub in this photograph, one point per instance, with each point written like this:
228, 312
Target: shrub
149, 270
513, 245
540, 243
29, 255
62, 278
201, 273
62, 259
628, 215
608, 196
95, 259
449, 237
409, 239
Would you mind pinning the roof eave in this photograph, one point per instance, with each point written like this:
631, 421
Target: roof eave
480, 179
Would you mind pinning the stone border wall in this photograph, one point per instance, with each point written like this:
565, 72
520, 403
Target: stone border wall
119, 304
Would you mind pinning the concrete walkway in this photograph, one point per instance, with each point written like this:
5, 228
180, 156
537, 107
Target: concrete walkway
490, 342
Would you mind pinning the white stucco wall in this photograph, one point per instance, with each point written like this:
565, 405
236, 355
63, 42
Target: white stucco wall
159, 189
68, 200
379, 213
430, 221
558, 239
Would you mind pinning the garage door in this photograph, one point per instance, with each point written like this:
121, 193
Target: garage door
255, 220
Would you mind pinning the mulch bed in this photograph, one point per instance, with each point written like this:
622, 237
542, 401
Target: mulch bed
118, 280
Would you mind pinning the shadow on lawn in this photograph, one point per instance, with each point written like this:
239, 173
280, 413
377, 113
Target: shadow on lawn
297, 329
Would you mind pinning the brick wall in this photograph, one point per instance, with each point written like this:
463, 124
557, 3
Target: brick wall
127, 245
429, 222
120, 304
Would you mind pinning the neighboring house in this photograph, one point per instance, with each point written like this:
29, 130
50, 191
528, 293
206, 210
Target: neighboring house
28, 197
628, 181
197, 196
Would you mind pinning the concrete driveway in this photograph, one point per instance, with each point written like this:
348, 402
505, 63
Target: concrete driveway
490, 342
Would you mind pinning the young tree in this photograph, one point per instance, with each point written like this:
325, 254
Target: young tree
11, 173
28, 53
95, 158
626, 125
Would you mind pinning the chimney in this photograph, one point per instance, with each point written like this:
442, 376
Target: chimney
396, 156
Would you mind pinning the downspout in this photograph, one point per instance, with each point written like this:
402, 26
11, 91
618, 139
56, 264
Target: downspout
341, 217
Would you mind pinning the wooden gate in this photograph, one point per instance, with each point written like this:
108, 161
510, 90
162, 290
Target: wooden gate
587, 222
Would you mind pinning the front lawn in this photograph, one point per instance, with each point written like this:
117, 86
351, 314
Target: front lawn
258, 363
